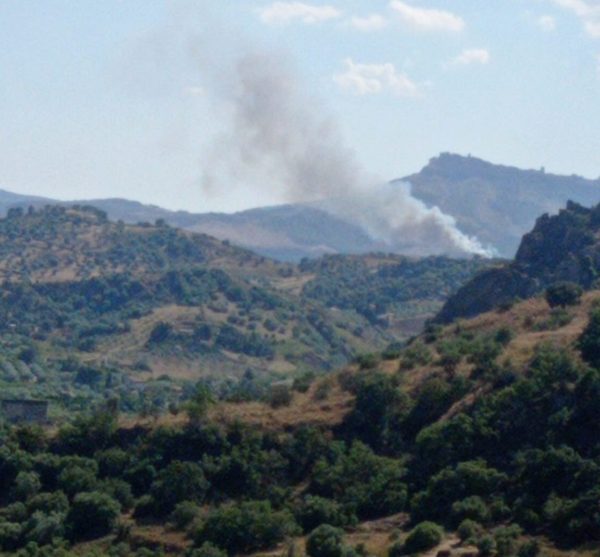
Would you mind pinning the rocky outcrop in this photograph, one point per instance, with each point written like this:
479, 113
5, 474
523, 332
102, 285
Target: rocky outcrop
564, 247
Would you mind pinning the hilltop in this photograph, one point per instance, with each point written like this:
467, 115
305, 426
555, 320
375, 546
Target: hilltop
497, 203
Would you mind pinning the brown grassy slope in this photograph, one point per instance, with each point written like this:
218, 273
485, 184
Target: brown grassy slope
522, 318
58, 244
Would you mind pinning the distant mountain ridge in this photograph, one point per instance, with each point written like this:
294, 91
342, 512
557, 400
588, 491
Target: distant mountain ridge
495, 203
284, 232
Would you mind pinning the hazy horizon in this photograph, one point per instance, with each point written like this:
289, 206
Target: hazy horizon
137, 99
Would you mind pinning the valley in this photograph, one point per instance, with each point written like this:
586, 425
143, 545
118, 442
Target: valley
91, 309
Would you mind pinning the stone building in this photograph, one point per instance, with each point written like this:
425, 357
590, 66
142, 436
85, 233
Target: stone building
25, 411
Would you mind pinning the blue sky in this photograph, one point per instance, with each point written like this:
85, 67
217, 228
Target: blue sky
131, 98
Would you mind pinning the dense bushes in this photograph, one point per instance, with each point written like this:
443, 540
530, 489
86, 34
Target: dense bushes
563, 294
523, 452
245, 527
92, 515
424, 536
365, 484
326, 541
350, 283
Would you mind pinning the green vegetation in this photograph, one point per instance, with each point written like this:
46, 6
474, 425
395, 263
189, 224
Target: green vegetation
424, 536
520, 460
449, 430
563, 294
398, 285
92, 310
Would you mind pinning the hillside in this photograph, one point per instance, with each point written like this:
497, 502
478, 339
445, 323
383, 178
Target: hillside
560, 248
91, 308
481, 436
496, 203
88, 306
286, 232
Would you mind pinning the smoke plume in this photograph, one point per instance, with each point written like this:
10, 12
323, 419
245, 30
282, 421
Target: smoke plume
281, 138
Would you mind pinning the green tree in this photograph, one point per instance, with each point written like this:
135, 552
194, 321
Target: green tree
422, 537
325, 541
198, 405
246, 527
26, 485
589, 341
315, 510
563, 294
92, 515
180, 481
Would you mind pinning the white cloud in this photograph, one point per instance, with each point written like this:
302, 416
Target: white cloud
546, 23
373, 22
371, 79
581, 8
286, 12
592, 28
194, 91
427, 19
588, 11
472, 56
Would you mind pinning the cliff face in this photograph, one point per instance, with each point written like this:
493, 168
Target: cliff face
564, 247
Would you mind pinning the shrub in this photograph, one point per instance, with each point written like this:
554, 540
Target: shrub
26, 485
468, 530
118, 489
505, 539
16, 512
180, 481
303, 383
55, 502
530, 548
184, 514
10, 535
367, 361
160, 333
559, 317
504, 335
589, 341
316, 510
92, 515
486, 546
417, 354
368, 484
563, 294
43, 528
472, 507
424, 536
280, 395
325, 541
145, 507
246, 527
207, 549
76, 479
112, 462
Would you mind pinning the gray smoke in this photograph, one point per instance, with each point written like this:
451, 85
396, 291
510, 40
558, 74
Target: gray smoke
280, 138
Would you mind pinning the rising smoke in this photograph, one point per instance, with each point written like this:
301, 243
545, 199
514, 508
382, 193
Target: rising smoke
281, 138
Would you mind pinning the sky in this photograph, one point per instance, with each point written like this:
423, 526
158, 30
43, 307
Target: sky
139, 98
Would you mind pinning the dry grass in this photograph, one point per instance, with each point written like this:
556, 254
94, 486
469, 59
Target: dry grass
522, 319
305, 409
